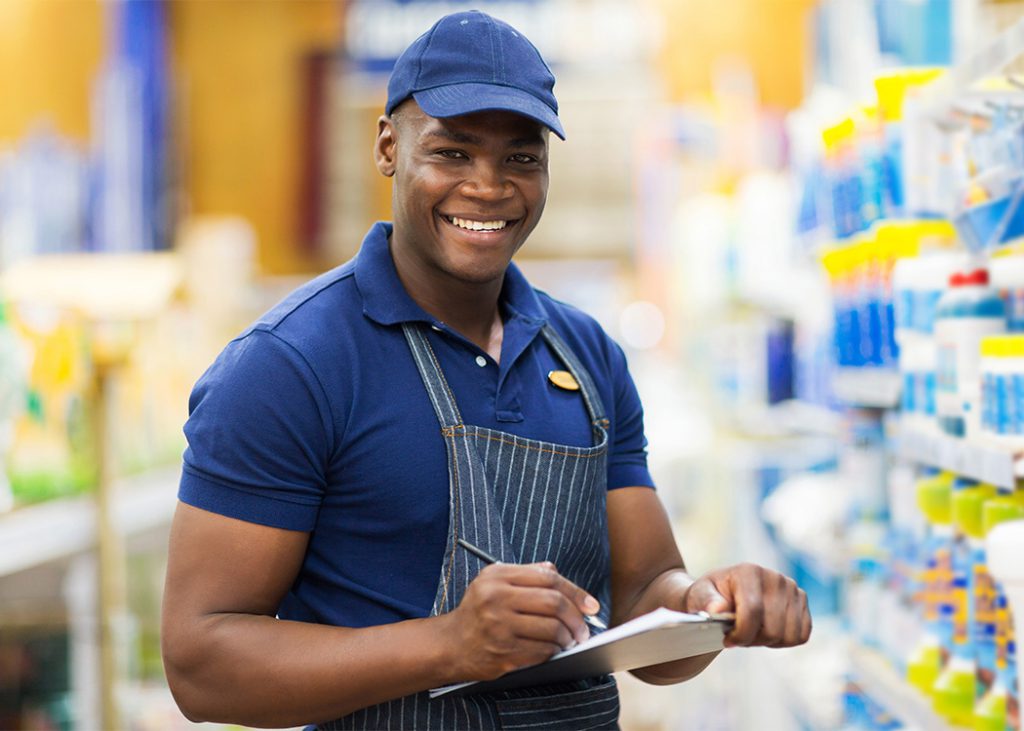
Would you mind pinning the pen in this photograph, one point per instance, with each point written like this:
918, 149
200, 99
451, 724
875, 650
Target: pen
487, 558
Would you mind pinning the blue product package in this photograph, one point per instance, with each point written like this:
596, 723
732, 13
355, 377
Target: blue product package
891, 352
1015, 405
929, 393
988, 391
892, 170
909, 395
927, 301
1001, 400
1014, 299
872, 343
905, 300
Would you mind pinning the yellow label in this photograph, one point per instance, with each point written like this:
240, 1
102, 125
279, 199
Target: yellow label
984, 596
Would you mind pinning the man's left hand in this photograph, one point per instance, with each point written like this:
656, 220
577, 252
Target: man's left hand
771, 610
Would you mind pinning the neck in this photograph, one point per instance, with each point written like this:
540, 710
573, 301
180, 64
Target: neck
469, 308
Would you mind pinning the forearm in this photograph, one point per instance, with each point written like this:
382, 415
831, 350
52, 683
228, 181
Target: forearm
666, 590
260, 671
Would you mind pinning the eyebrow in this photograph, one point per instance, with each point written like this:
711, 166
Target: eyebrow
463, 138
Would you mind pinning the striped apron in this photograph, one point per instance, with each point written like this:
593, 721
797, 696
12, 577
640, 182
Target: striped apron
522, 501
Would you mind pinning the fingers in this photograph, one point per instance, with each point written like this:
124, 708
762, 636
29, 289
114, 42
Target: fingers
545, 575
771, 610
545, 592
748, 600
511, 594
515, 615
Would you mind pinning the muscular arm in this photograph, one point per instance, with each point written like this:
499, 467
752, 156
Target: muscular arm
229, 659
648, 572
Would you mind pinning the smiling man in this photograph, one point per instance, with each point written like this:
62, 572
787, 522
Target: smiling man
421, 395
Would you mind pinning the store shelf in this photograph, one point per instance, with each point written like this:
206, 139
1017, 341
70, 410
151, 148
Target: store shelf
956, 84
873, 673
38, 534
872, 387
983, 462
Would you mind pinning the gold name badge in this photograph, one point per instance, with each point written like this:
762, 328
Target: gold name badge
564, 380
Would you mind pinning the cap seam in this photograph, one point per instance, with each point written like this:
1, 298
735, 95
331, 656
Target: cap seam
495, 42
423, 52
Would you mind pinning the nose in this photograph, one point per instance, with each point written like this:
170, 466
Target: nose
488, 181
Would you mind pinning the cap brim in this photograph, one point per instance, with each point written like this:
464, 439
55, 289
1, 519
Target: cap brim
457, 99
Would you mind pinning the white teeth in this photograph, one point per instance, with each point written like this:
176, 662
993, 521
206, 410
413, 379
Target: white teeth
479, 225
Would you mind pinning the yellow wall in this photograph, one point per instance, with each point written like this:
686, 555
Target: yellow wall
50, 51
770, 35
238, 65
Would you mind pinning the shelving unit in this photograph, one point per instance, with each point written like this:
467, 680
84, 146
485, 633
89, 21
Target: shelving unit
982, 462
877, 678
968, 90
38, 534
994, 57
877, 388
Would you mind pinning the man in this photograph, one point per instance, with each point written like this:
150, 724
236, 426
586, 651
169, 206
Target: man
421, 394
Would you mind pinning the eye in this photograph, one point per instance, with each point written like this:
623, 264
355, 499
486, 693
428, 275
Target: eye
523, 159
452, 154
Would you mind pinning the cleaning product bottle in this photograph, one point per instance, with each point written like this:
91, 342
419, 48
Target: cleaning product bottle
13, 367
926, 661
846, 318
875, 346
999, 707
967, 312
891, 88
955, 689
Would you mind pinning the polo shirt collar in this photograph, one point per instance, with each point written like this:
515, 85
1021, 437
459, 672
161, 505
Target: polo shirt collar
385, 300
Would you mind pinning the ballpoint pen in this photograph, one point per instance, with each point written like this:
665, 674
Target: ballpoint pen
487, 558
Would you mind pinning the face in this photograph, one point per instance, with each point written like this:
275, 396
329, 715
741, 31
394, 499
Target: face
467, 192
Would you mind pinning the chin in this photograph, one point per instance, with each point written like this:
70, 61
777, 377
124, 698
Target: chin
477, 272
471, 275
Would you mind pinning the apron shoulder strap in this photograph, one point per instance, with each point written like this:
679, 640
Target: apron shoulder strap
591, 397
443, 399
440, 392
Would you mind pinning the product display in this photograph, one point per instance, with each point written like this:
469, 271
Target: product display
812, 260
949, 215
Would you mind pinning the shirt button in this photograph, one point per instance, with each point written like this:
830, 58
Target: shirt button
481, 361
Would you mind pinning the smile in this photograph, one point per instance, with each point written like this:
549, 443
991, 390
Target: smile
470, 225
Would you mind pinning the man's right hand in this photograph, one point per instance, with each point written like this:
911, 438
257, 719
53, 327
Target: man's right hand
514, 615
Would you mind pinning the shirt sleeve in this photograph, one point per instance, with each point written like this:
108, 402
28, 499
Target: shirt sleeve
258, 436
627, 461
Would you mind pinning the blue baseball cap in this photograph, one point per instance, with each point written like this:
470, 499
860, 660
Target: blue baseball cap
470, 62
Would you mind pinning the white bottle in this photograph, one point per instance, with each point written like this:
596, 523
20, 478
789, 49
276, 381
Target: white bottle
967, 312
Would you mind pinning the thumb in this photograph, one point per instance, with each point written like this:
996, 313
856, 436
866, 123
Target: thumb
703, 595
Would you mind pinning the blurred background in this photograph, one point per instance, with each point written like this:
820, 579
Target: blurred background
748, 189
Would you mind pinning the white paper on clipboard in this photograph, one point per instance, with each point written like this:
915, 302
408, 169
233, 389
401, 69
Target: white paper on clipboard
659, 636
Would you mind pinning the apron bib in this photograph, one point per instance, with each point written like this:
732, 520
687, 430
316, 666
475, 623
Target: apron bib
522, 501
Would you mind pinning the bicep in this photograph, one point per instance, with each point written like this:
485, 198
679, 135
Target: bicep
219, 565
642, 545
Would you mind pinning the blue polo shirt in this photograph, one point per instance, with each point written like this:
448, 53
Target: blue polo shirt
316, 419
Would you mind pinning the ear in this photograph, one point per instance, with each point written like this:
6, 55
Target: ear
385, 149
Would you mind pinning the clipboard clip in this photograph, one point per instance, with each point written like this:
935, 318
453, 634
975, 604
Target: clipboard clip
724, 617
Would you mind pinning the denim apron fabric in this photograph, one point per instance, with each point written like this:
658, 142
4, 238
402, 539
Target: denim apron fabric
522, 501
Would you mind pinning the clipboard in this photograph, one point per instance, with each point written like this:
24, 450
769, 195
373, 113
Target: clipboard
660, 636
